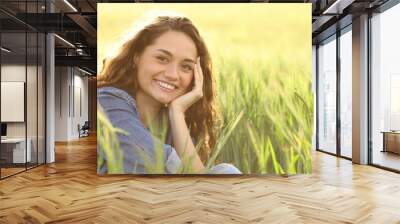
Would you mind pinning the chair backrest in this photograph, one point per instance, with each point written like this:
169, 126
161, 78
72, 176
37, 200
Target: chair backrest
86, 125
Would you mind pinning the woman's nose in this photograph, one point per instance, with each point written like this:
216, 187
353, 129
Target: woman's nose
172, 72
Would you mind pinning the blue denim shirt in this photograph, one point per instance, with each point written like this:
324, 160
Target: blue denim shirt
120, 108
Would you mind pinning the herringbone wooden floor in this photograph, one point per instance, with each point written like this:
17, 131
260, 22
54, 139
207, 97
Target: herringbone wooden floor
69, 191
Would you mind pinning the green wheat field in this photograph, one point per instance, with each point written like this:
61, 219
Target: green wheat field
262, 64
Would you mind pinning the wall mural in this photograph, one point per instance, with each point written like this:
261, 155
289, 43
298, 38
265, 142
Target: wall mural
204, 89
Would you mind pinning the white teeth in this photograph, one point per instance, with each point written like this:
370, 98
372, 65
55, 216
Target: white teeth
166, 85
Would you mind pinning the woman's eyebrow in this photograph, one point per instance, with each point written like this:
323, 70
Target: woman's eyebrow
170, 54
165, 52
189, 60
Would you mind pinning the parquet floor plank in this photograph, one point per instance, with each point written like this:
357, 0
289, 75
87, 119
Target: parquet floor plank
70, 191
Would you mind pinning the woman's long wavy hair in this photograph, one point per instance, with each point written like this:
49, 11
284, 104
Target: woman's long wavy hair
121, 71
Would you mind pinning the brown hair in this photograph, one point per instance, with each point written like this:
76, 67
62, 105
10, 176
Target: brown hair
121, 72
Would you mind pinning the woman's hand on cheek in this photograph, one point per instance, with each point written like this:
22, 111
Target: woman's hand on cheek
180, 131
182, 103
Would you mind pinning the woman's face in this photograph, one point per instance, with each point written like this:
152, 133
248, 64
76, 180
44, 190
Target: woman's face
165, 68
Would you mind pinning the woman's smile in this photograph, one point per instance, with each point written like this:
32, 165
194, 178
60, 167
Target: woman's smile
165, 86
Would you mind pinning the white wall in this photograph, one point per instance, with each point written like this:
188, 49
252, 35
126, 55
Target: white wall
61, 103
12, 73
33, 127
71, 94
80, 110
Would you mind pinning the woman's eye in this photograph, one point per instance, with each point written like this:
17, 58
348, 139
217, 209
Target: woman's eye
162, 59
187, 68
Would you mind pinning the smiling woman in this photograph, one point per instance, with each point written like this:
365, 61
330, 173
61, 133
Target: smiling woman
165, 68
162, 75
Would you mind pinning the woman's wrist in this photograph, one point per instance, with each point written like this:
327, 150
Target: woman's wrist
174, 110
176, 115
